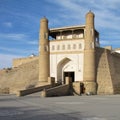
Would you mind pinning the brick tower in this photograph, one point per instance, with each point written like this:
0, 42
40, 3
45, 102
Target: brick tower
89, 76
44, 63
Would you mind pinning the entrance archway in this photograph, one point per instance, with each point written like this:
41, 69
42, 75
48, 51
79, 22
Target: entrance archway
60, 66
65, 68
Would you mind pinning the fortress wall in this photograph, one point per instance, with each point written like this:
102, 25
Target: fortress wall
20, 61
114, 63
22, 77
103, 72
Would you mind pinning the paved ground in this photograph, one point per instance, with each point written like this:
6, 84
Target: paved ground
60, 108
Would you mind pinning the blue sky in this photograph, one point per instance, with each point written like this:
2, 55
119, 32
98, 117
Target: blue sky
20, 22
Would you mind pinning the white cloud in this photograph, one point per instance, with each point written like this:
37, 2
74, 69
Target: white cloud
6, 60
13, 36
24, 51
9, 49
32, 42
26, 16
23, 38
8, 24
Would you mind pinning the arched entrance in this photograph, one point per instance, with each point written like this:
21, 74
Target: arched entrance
65, 68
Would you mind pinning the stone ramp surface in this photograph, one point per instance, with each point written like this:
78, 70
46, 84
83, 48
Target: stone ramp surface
33, 107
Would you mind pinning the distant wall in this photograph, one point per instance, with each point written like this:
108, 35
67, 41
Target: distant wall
20, 61
22, 77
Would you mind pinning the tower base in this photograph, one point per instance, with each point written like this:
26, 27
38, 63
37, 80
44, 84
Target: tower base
90, 88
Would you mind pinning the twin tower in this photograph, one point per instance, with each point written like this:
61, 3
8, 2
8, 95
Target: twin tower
89, 66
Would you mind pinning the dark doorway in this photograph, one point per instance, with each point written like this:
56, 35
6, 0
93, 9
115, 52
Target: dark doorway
82, 88
69, 74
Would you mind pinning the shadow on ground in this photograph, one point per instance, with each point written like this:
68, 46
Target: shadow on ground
28, 113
